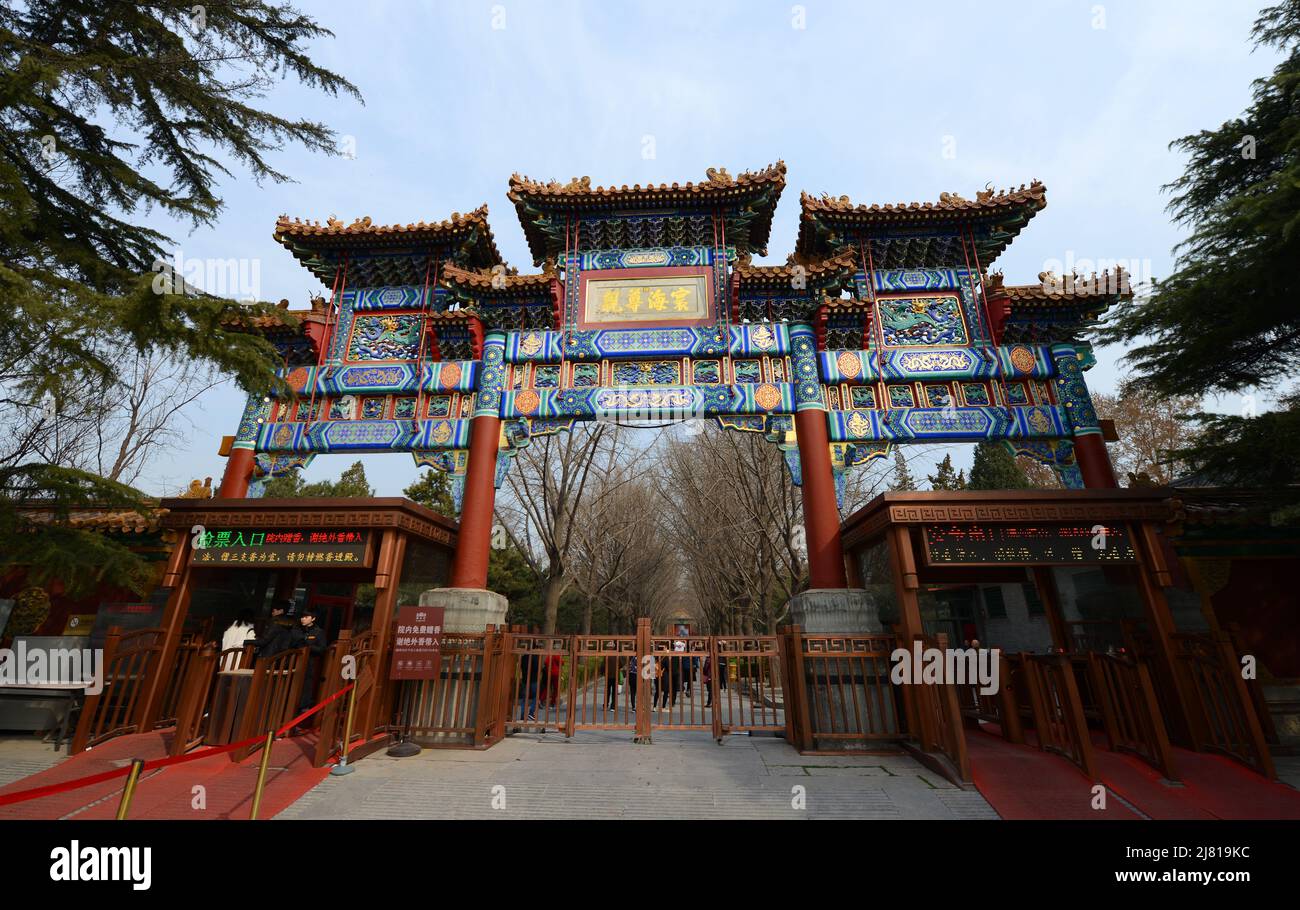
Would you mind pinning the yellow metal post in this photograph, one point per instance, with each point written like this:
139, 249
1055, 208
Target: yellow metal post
261, 773
137, 766
343, 767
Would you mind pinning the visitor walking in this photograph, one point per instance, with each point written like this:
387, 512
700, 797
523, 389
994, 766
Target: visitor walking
530, 682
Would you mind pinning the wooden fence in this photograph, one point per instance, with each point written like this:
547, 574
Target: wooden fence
1057, 709
273, 696
115, 709
1127, 701
1223, 717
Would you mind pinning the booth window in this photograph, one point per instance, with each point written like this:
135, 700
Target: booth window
1032, 600
995, 604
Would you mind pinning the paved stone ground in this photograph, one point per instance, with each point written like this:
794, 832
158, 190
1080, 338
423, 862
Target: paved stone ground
22, 754
1288, 769
604, 775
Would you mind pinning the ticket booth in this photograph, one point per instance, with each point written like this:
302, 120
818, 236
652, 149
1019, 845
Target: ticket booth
355, 560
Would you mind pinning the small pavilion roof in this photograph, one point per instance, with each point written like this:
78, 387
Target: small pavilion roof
817, 273
747, 202
283, 321
388, 254
490, 283
905, 234
1084, 299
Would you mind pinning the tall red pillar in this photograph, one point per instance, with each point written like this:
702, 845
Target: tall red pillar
239, 471
1094, 462
821, 514
470, 568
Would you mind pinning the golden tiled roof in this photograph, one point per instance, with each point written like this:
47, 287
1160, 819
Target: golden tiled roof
1052, 288
285, 319
747, 200
902, 238
103, 520
362, 227
1034, 196
579, 190
814, 271
319, 246
488, 280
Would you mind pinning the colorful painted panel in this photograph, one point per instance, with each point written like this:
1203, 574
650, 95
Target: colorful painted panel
862, 398
440, 406
404, 408
546, 376
747, 370
922, 321
938, 396
975, 393
307, 410
372, 408
900, 396
586, 374
388, 337
707, 372
647, 258
914, 279
660, 372
1016, 393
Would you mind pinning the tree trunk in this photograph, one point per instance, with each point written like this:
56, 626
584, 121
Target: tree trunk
552, 588
586, 619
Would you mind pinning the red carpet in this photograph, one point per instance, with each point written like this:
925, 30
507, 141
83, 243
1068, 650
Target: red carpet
169, 792
1020, 782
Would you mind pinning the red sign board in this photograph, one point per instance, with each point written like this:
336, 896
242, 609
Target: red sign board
418, 643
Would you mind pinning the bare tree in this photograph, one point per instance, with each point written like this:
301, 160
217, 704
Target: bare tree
114, 426
624, 561
1150, 428
550, 481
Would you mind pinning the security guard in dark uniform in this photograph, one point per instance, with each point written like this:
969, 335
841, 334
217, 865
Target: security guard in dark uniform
313, 637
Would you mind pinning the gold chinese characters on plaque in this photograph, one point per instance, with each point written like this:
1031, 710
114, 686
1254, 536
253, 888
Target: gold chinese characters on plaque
652, 299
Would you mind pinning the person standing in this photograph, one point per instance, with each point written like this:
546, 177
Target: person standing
613, 666
313, 637
530, 682
279, 633
238, 634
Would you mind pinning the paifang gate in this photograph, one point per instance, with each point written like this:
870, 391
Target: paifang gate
885, 326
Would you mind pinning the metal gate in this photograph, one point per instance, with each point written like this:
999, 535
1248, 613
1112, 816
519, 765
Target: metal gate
710, 684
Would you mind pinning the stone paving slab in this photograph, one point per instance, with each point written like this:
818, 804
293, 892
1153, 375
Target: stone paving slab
22, 755
604, 775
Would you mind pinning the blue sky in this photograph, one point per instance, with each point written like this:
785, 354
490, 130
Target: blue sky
883, 102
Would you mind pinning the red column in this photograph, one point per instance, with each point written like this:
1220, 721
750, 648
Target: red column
239, 471
471, 565
821, 516
1094, 462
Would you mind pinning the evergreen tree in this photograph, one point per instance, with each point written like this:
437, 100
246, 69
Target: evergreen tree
433, 489
352, 484
902, 480
945, 478
109, 110
995, 468
284, 486
1226, 320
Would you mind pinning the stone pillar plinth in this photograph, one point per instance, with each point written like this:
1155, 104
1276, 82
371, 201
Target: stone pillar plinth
467, 609
827, 611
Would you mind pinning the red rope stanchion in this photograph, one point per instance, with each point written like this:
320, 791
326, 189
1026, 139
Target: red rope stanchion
23, 796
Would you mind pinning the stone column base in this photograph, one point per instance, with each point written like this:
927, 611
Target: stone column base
828, 611
467, 609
